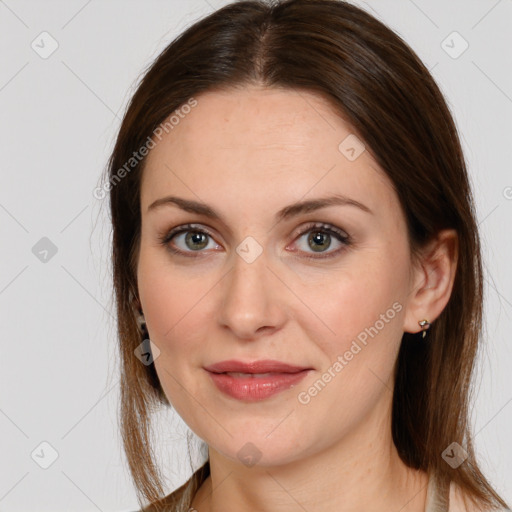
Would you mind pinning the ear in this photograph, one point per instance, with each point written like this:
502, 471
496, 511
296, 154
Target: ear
432, 280
134, 301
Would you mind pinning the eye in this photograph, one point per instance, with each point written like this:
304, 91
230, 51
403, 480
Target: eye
319, 239
192, 238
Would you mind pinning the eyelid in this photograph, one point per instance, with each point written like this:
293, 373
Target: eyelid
321, 226
343, 237
165, 236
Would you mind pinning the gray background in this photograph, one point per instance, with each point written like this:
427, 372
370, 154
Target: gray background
59, 117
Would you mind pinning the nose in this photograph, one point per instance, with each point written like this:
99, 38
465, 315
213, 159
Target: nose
252, 302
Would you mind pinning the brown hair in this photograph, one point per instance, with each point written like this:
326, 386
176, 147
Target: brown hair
376, 82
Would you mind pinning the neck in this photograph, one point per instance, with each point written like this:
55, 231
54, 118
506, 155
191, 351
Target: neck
361, 472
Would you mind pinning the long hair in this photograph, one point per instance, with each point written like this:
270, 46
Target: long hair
376, 82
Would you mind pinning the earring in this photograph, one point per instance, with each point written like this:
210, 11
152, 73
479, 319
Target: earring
424, 324
141, 322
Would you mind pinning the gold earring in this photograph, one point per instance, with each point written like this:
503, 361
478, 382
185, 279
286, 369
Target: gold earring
424, 324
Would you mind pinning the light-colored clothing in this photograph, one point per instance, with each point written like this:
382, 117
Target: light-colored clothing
438, 496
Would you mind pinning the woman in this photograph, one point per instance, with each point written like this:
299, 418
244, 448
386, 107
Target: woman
294, 231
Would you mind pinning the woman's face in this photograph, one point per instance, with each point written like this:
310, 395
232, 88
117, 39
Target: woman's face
266, 280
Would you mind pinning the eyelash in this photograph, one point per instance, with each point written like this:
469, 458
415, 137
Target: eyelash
166, 237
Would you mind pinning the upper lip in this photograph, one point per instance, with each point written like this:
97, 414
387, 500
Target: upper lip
264, 366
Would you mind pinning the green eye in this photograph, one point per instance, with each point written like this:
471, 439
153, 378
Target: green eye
194, 239
197, 239
320, 239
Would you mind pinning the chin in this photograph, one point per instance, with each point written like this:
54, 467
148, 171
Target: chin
257, 448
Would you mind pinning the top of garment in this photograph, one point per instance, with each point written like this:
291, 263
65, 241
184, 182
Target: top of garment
438, 496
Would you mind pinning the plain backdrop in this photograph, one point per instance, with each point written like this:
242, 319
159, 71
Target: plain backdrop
68, 69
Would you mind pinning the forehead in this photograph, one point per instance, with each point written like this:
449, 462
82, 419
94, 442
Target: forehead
265, 144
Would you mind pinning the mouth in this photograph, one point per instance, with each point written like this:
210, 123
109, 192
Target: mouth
255, 367
250, 375
255, 381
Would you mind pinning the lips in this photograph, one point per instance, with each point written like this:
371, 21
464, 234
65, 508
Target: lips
255, 381
254, 367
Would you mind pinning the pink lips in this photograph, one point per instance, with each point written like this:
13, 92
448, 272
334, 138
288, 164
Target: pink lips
256, 380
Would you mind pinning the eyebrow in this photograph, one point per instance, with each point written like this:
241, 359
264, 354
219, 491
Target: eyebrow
287, 212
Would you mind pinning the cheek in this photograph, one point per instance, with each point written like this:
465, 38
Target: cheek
159, 301
364, 311
357, 362
172, 308
179, 312
169, 297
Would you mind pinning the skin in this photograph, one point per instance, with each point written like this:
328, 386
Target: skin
248, 153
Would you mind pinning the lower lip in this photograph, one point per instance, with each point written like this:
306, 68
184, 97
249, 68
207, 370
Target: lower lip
253, 389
